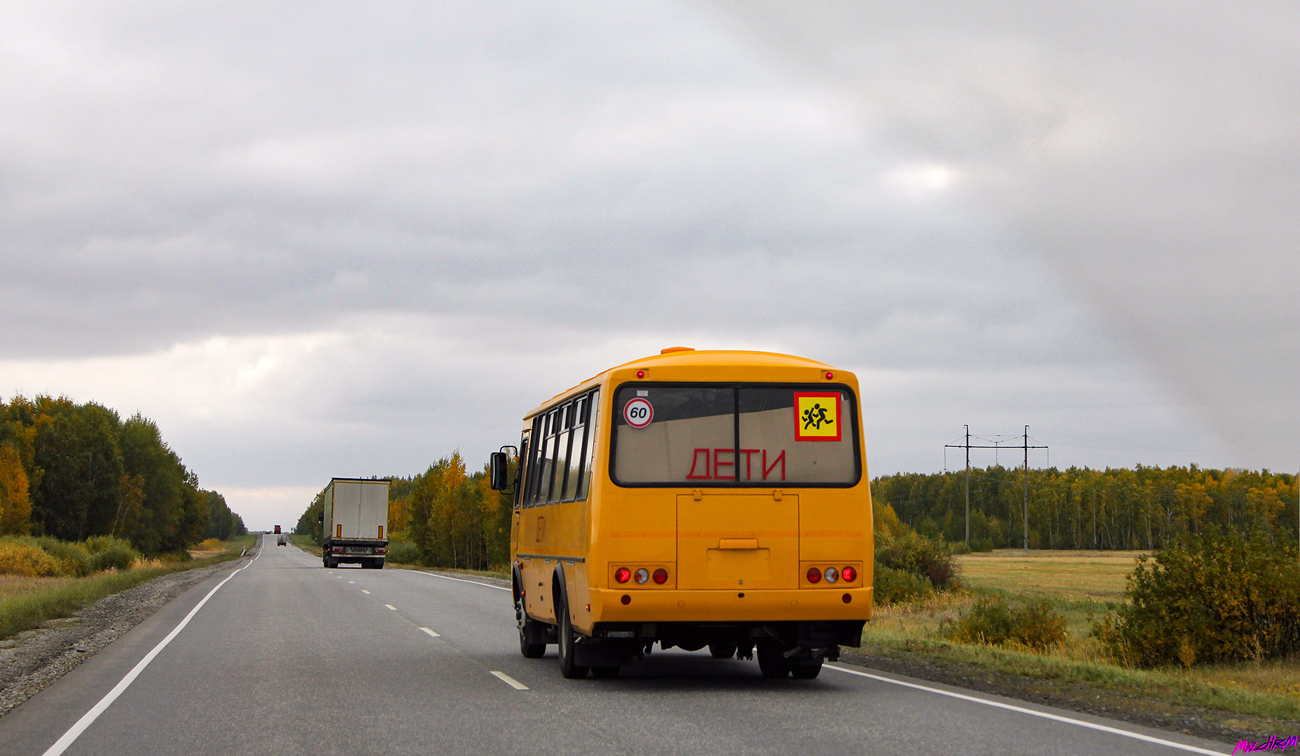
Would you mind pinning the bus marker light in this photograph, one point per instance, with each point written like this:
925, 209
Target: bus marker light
628, 599
622, 575
832, 574
814, 575
640, 374
849, 574
829, 375
847, 598
661, 576
642, 575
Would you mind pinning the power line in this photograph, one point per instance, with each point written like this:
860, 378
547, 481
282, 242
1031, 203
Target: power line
997, 444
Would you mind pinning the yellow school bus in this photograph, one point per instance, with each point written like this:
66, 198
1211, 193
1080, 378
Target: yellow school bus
694, 499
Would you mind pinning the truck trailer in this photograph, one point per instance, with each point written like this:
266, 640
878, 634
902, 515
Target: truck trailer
354, 523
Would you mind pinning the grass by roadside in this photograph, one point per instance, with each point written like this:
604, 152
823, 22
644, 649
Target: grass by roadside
26, 603
1082, 588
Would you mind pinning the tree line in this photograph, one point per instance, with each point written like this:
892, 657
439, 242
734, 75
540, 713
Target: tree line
1082, 508
71, 471
451, 515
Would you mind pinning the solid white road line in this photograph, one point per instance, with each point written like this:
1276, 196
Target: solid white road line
391, 608
462, 580
1032, 712
89, 717
430, 632
508, 680
363, 590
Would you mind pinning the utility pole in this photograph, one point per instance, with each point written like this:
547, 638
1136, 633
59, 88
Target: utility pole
996, 445
1026, 489
968, 485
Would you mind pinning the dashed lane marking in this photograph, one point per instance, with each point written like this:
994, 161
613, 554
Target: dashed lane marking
508, 680
431, 633
1031, 712
363, 590
391, 608
352, 582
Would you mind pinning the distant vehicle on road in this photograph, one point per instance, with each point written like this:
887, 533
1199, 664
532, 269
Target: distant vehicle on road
280, 541
353, 522
277, 530
693, 499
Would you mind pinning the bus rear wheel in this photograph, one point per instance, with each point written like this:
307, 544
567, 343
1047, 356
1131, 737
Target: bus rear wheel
605, 672
568, 641
527, 626
807, 671
724, 650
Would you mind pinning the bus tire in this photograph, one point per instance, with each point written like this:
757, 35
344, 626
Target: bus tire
605, 672
527, 625
807, 671
568, 642
724, 650
772, 663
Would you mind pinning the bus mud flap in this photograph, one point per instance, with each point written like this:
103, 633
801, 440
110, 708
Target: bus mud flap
605, 652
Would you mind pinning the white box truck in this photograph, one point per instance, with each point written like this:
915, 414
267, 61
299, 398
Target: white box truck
355, 522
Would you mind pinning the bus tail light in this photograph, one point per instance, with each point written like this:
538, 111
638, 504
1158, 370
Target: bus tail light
661, 576
642, 575
832, 574
814, 575
622, 574
849, 574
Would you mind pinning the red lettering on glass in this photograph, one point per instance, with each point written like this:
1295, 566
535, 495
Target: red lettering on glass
694, 461
749, 475
719, 463
779, 458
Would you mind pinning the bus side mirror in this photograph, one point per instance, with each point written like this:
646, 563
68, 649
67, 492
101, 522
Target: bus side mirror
498, 471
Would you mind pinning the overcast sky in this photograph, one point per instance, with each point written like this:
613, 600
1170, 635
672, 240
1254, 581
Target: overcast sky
330, 239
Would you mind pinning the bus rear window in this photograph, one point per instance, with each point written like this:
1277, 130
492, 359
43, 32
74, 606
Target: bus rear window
746, 435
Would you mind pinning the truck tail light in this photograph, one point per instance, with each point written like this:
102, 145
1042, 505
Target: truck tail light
661, 576
849, 574
814, 575
622, 575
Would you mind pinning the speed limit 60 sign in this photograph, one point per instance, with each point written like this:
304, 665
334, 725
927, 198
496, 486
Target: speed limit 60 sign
638, 413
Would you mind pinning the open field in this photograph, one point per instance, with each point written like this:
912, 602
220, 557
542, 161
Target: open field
1083, 587
1099, 575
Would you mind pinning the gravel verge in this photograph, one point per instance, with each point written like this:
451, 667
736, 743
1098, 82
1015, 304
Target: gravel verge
33, 659
1221, 726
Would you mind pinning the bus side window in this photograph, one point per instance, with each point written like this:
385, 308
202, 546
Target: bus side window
589, 448
576, 448
544, 460
564, 418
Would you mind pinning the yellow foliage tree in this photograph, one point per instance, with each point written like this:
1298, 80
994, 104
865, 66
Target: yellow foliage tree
15, 504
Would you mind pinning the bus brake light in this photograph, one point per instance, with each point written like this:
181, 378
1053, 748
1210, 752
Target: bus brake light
661, 576
849, 574
622, 574
814, 575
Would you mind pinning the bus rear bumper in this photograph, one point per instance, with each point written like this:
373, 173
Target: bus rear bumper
730, 606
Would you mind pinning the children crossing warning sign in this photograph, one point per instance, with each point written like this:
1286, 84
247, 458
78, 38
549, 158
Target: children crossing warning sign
817, 416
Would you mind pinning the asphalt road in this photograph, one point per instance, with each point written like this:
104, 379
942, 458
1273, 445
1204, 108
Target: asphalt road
289, 658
